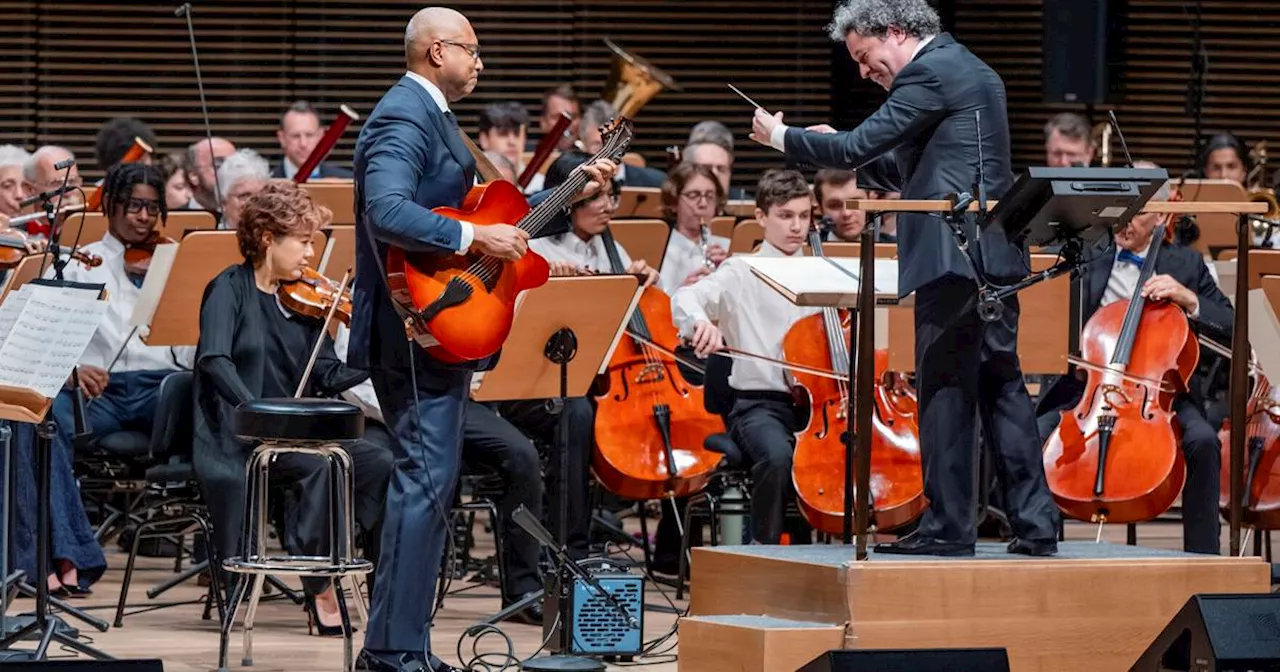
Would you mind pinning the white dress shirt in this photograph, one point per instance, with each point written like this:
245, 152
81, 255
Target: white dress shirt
361, 395
778, 138
751, 315
586, 254
122, 296
683, 257
1124, 280
468, 229
290, 170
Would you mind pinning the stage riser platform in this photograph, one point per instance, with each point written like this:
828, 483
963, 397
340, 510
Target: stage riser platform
753, 643
1095, 607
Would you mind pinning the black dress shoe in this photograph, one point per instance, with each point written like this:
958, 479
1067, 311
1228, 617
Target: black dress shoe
1038, 548
391, 661
917, 544
530, 615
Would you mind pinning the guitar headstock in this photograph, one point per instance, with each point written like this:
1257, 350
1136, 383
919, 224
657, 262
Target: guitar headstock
616, 136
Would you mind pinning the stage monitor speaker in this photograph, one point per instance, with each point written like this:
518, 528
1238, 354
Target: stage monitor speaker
920, 660
1083, 50
85, 666
1218, 633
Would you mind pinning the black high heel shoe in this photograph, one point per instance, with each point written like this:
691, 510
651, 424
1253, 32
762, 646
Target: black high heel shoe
314, 626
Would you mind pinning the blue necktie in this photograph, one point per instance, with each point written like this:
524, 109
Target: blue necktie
1129, 257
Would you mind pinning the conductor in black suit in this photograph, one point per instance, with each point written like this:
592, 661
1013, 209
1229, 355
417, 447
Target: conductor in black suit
923, 141
1183, 278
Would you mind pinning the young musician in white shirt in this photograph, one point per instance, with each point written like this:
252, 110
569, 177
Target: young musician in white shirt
691, 197
732, 306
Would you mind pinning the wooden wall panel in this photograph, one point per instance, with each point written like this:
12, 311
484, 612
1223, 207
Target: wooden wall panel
87, 62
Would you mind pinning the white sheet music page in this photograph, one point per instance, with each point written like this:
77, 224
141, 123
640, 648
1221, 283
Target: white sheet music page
824, 281
48, 336
153, 286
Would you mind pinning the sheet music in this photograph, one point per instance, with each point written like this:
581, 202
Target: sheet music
824, 281
153, 286
45, 339
1264, 333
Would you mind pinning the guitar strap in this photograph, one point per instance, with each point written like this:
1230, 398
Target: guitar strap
484, 167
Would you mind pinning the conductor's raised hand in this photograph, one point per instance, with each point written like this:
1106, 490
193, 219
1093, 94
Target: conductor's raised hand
762, 125
501, 240
706, 339
600, 178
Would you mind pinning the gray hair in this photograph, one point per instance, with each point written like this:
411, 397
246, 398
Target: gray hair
1165, 189
873, 18
13, 155
710, 132
244, 164
32, 164
1069, 125
300, 107
597, 114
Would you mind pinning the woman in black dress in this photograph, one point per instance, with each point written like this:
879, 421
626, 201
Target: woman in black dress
251, 347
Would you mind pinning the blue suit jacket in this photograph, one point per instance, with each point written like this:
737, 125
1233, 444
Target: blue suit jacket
408, 160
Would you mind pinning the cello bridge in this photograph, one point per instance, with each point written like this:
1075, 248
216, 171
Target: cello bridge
651, 373
1108, 390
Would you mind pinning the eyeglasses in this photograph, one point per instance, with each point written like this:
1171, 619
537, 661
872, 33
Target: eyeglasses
699, 196
135, 205
472, 49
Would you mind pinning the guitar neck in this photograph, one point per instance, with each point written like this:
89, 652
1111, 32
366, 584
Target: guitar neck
545, 212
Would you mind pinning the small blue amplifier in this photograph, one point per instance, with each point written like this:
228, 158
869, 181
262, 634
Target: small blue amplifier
594, 626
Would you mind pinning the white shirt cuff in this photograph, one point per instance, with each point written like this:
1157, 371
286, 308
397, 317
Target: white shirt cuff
1195, 314
468, 235
778, 139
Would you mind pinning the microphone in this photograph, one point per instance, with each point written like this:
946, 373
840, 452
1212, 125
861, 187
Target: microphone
182, 10
47, 195
960, 203
64, 164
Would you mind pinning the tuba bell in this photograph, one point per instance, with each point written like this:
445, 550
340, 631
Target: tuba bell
633, 82
1263, 225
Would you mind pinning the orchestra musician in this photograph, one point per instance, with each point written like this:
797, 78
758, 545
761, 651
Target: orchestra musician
501, 127
555, 102
832, 188
1225, 158
598, 115
1068, 141
240, 176
299, 133
410, 158
252, 347
12, 191
116, 138
691, 197
965, 366
732, 306
1183, 278
711, 144
173, 170
202, 171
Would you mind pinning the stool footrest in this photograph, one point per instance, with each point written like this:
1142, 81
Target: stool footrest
297, 565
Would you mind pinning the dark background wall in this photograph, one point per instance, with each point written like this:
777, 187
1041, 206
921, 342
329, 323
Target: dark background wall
69, 66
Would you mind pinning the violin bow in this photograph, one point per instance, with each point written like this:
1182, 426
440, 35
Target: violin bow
324, 329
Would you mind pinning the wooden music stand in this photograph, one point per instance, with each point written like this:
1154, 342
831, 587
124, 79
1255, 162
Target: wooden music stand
1217, 230
337, 195
741, 208
1262, 262
643, 239
83, 228
180, 222
594, 308
883, 250
27, 270
201, 257
723, 226
639, 202
746, 237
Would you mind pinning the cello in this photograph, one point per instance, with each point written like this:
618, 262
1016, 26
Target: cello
650, 422
1262, 451
818, 468
1115, 456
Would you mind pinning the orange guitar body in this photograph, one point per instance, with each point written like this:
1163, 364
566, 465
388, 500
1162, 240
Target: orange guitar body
631, 443
469, 299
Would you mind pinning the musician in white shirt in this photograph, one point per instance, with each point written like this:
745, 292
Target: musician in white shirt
733, 306
691, 197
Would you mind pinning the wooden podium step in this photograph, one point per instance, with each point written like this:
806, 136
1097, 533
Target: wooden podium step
753, 643
1094, 606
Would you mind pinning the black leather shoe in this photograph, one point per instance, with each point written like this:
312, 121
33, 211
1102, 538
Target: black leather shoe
530, 615
391, 661
917, 544
1038, 548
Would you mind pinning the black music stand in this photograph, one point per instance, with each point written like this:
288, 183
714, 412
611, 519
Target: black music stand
1055, 205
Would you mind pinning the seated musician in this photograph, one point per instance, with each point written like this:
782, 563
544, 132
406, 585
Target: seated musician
691, 197
555, 102
202, 171
598, 115
832, 188
1183, 278
710, 144
1068, 141
173, 170
1225, 158
118, 373
500, 130
732, 306
251, 347
116, 138
299, 133
240, 176
12, 192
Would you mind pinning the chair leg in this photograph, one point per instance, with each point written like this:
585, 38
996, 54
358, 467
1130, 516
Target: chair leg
128, 570
254, 597
644, 533
229, 621
1131, 534
348, 664
498, 544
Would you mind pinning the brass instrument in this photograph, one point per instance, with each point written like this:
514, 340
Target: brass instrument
633, 82
1101, 139
1263, 225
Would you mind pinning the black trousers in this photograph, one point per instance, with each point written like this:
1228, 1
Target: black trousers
1201, 523
765, 431
965, 369
491, 443
534, 419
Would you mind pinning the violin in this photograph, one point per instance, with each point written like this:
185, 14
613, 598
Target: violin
137, 256
650, 422
818, 467
313, 295
13, 250
1115, 457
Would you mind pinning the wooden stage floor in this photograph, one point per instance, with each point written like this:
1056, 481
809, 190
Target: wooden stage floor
188, 644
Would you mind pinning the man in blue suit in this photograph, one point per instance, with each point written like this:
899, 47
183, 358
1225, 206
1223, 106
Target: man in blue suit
410, 158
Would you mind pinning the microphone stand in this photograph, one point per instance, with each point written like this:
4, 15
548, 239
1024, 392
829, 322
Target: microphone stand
184, 11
